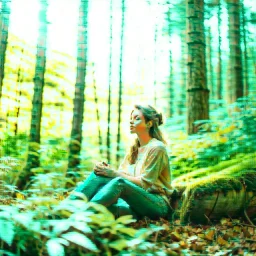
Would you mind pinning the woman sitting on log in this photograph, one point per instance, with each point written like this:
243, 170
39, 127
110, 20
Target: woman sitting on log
142, 182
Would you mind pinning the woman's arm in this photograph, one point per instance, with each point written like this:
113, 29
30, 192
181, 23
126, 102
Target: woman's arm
133, 179
103, 170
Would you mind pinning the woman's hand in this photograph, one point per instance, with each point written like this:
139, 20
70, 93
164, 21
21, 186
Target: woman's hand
103, 169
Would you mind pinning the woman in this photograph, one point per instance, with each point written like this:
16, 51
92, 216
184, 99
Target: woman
142, 182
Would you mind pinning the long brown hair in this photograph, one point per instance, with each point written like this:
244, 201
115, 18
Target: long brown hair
150, 114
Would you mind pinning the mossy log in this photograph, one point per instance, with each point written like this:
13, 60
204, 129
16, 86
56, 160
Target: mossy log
224, 197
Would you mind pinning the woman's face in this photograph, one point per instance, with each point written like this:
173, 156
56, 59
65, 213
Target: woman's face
137, 122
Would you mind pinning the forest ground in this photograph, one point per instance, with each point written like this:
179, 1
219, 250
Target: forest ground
225, 237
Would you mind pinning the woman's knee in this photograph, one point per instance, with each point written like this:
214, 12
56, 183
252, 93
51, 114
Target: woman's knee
118, 180
95, 176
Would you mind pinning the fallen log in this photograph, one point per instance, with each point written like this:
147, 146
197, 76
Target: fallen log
231, 196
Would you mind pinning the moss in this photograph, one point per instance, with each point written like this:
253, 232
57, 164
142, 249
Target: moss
237, 182
221, 185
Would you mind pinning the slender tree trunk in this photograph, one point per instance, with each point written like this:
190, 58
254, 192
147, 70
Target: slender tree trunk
198, 94
97, 113
18, 95
182, 96
110, 80
183, 32
155, 63
120, 83
4, 25
170, 80
219, 65
210, 67
246, 83
78, 110
37, 103
235, 88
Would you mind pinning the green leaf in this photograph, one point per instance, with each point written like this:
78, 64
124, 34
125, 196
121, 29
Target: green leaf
35, 226
106, 230
156, 228
81, 240
5, 167
118, 244
24, 218
126, 219
135, 242
127, 231
7, 231
54, 248
3, 252
60, 226
82, 227
61, 240
10, 209
102, 209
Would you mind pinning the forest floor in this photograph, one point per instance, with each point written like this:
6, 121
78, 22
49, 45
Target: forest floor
226, 237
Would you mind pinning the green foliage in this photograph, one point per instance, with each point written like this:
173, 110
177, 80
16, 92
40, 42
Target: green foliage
42, 225
10, 167
13, 145
217, 140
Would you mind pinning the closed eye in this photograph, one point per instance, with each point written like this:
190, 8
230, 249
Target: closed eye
135, 117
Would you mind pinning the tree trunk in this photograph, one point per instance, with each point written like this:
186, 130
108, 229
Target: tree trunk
219, 65
18, 94
246, 83
97, 114
110, 80
210, 67
155, 62
170, 80
235, 86
182, 97
120, 84
4, 25
37, 103
78, 110
198, 94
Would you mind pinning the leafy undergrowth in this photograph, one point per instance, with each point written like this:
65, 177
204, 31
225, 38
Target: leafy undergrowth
226, 237
44, 226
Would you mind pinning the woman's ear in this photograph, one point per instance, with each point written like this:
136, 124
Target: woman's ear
149, 124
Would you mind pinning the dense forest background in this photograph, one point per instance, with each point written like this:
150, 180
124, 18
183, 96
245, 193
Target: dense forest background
130, 52
71, 71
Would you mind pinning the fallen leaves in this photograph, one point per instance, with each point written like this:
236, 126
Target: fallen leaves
209, 235
227, 237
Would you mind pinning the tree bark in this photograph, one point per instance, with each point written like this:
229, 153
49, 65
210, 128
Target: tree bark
235, 85
110, 80
4, 25
210, 79
18, 94
37, 103
217, 199
246, 83
78, 110
219, 65
170, 80
120, 83
97, 114
155, 61
198, 94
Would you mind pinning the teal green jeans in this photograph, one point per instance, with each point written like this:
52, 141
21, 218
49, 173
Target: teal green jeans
123, 197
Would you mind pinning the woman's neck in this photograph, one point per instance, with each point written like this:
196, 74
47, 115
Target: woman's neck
144, 139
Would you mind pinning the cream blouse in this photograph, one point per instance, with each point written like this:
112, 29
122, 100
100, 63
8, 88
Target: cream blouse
152, 167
